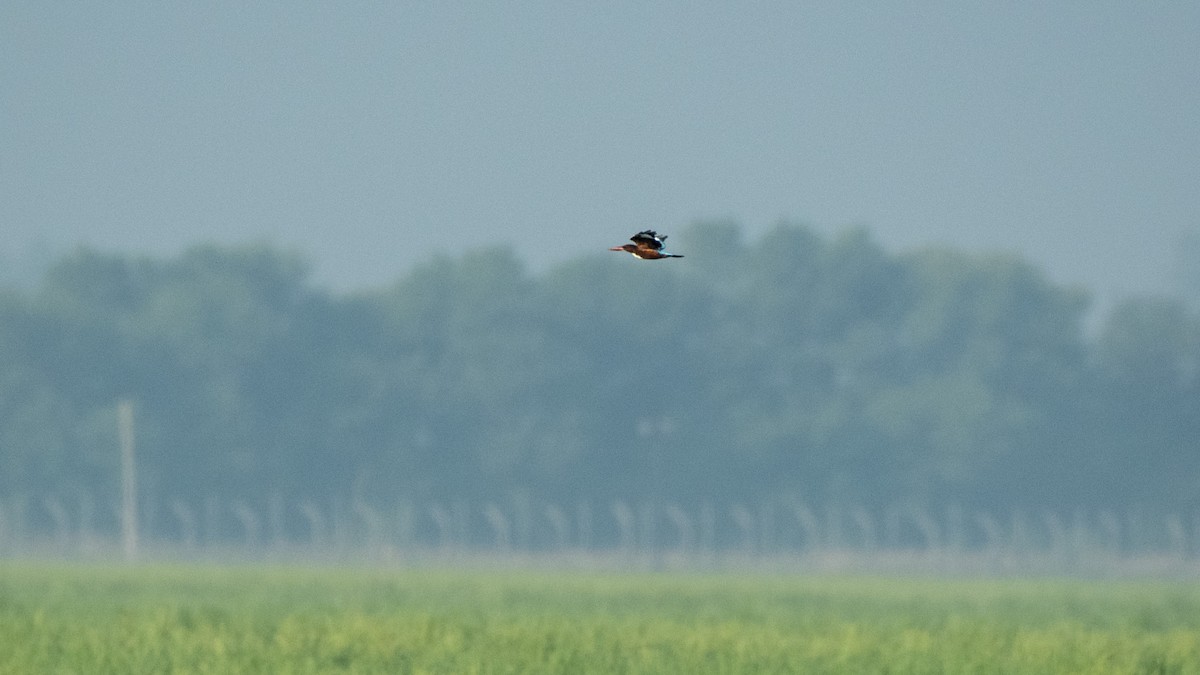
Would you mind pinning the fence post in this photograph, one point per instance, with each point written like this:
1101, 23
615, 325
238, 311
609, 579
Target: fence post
866, 528
62, 523
187, 523
444, 522
683, 525
560, 526
745, 524
502, 538
129, 525
585, 525
708, 532
316, 525
249, 522
1176, 536
626, 527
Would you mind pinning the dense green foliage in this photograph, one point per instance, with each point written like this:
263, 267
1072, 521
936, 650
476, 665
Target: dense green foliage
222, 620
795, 364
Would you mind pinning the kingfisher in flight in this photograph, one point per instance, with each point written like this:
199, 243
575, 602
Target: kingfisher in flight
647, 245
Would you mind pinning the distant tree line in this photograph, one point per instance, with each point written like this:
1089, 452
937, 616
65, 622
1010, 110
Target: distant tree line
795, 364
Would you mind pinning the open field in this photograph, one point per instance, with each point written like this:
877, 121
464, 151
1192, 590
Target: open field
209, 619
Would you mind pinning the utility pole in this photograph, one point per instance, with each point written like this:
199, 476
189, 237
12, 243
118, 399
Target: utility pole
129, 526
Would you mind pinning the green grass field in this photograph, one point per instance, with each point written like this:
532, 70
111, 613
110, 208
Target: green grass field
198, 619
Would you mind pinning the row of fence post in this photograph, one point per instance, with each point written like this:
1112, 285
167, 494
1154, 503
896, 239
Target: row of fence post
655, 528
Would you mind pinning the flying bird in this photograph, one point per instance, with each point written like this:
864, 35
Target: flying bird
647, 245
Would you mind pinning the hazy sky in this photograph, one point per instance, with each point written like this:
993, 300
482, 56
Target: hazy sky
370, 135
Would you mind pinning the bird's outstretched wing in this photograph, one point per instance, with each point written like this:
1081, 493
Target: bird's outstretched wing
648, 239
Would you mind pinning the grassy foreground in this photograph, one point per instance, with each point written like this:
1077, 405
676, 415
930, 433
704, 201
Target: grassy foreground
195, 619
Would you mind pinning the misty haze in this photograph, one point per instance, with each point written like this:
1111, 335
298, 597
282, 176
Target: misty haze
785, 394
320, 350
